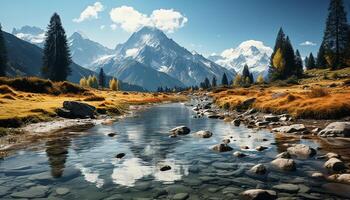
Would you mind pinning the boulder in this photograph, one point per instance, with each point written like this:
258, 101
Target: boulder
236, 122
336, 129
261, 148
344, 178
258, 169
290, 129
284, 164
180, 130
165, 168
258, 194
222, 148
74, 109
271, 118
247, 103
301, 150
120, 155
284, 155
335, 164
204, 134
239, 154
226, 141
329, 155
262, 123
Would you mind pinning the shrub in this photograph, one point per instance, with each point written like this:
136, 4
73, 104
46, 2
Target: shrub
4, 89
317, 92
29, 84
67, 87
94, 98
292, 80
334, 76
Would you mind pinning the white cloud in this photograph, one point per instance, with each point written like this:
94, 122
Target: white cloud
307, 43
131, 20
113, 26
90, 12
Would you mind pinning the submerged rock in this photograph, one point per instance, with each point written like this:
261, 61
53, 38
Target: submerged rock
344, 178
329, 156
33, 192
284, 155
284, 164
165, 168
226, 141
204, 134
301, 150
120, 155
338, 189
239, 154
261, 148
180, 130
290, 129
236, 122
258, 169
336, 129
287, 187
335, 164
258, 194
181, 196
221, 148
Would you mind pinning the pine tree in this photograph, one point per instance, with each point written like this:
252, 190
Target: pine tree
56, 59
306, 61
224, 80
321, 58
289, 57
3, 54
101, 78
298, 64
246, 75
278, 44
206, 83
311, 64
335, 37
213, 82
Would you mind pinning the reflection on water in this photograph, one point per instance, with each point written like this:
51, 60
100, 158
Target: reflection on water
87, 166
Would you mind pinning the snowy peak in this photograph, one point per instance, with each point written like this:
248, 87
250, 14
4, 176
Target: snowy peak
32, 34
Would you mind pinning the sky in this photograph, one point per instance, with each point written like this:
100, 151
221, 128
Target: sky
206, 26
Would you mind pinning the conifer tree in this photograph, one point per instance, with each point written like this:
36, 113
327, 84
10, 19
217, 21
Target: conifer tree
278, 44
311, 64
213, 82
321, 57
206, 83
289, 57
101, 78
56, 58
298, 64
306, 61
3, 54
335, 37
224, 80
246, 75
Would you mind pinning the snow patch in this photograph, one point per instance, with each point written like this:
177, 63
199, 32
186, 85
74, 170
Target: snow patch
131, 52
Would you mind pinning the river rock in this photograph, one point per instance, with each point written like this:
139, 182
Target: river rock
221, 148
317, 175
260, 148
204, 134
74, 109
226, 141
258, 169
239, 154
284, 155
236, 122
344, 178
165, 168
336, 129
301, 150
62, 191
271, 118
180, 130
337, 189
33, 192
261, 123
180, 196
335, 164
284, 164
329, 156
258, 194
120, 155
287, 187
290, 129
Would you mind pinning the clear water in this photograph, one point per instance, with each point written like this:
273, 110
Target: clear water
85, 163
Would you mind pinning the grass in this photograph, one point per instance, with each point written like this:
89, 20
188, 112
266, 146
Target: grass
317, 99
20, 104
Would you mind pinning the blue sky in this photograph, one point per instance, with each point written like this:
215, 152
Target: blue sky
206, 26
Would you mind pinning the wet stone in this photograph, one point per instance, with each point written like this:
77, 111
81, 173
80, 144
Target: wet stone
33, 192
180, 196
120, 155
62, 191
287, 187
165, 168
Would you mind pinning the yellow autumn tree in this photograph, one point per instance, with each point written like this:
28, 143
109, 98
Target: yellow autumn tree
238, 80
260, 79
83, 82
113, 84
92, 82
278, 60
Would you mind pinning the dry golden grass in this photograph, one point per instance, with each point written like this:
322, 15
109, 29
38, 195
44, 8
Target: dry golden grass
19, 107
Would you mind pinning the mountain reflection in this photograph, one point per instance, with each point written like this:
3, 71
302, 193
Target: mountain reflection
57, 153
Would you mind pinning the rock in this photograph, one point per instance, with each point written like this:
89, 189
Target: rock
165, 168
33, 192
213, 116
111, 134
260, 148
258, 169
244, 147
204, 134
290, 129
335, 164
180, 130
222, 148
74, 109
62, 191
329, 156
284, 155
250, 111
261, 123
315, 130
317, 175
239, 154
271, 118
120, 155
338, 189
344, 178
236, 122
226, 141
258, 194
336, 129
288, 188
284, 164
180, 196
301, 150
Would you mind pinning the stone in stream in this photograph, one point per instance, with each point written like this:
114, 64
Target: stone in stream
284, 155
338, 189
236, 122
335, 164
120, 155
62, 191
287, 187
244, 147
261, 123
258, 169
336, 129
204, 134
317, 175
239, 154
165, 168
180, 130
343, 178
260, 148
271, 118
111, 134
33, 192
301, 150
284, 164
329, 155
221, 148
258, 194
180, 196
226, 141
290, 129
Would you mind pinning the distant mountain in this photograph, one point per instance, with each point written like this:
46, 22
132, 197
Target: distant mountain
25, 59
252, 53
153, 49
85, 51
30, 34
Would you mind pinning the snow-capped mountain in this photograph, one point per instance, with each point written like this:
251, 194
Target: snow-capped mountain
30, 34
152, 48
252, 53
85, 51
